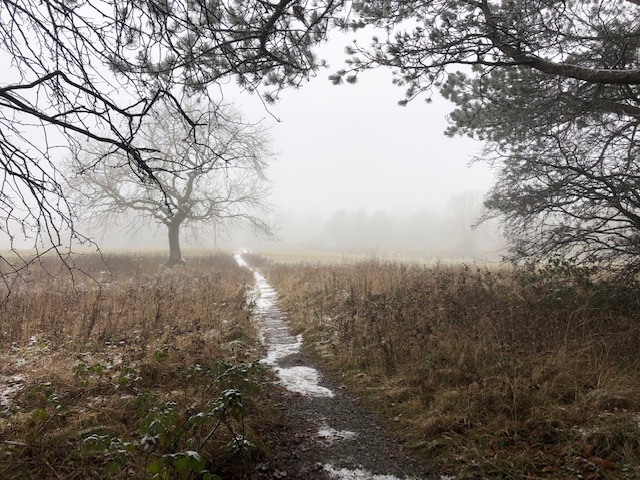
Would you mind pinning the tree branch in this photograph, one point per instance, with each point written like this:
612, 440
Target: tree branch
591, 75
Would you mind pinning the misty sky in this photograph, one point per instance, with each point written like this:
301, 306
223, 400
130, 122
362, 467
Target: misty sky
352, 146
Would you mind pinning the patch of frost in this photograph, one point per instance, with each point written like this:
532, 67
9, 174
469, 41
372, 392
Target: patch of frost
303, 380
9, 387
278, 351
37, 344
331, 434
357, 474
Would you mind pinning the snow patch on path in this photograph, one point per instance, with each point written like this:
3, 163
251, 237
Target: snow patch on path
331, 434
280, 343
357, 474
303, 380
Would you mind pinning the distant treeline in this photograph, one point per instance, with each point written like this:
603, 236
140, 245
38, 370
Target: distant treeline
422, 230
450, 234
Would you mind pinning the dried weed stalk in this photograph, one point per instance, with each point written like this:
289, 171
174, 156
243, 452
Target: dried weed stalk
133, 370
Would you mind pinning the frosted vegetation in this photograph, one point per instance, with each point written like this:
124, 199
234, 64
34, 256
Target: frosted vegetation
131, 370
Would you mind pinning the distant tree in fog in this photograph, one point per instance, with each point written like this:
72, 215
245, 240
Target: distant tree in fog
205, 182
336, 229
463, 213
450, 234
423, 231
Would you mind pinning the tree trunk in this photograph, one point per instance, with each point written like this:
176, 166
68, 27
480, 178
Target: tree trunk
175, 254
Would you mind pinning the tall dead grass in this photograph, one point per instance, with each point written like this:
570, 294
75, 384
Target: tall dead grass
129, 370
108, 300
492, 373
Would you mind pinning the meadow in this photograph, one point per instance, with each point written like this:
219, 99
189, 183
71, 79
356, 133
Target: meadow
482, 372
122, 368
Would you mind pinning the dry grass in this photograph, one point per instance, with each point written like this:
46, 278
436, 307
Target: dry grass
489, 373
128, 369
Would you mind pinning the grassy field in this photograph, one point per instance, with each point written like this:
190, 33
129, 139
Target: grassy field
131, 370
482, 372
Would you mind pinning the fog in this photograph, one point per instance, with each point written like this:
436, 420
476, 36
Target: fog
450, 234
353, 171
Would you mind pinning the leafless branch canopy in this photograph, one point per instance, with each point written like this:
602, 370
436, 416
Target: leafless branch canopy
208, 177
95, 69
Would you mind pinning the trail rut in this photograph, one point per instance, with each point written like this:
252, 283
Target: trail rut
336, 437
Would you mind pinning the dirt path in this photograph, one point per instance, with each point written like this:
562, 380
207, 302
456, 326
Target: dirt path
334, 438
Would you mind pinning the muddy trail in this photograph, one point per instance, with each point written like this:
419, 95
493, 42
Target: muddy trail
334, 437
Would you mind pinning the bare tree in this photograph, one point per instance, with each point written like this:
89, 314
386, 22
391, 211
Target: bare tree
575, 193
95, 69
205, 179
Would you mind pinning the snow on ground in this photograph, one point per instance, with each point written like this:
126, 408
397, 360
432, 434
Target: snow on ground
278, 351
10, 385
331, 434
357, 474
19, 357
279, 342
303, 380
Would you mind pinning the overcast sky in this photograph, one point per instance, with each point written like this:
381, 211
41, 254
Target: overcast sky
352, 146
